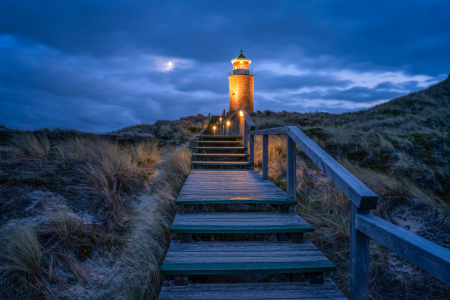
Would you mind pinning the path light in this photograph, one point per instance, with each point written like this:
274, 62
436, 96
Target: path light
241, 113
214, 127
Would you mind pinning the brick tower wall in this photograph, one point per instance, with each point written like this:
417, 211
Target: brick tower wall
241, 92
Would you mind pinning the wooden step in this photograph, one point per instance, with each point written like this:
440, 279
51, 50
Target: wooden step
220, 155
219, 142
229, 222
230, 186
221, 148
252, 291
222, 163
209, 258
220, 136
192, 200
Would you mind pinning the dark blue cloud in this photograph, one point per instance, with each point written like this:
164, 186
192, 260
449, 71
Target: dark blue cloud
98, 66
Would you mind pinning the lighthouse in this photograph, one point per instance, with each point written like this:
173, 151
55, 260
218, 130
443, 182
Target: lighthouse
241, 84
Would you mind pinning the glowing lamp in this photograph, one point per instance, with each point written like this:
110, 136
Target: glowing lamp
228, 123
241, 113
214, 127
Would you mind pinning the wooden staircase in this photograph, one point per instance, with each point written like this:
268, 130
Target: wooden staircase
220, 151
206, 246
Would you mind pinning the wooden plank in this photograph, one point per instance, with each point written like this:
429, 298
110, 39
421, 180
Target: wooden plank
223, 163
231, 182
189, 201
291, 175
230, 195
231, 172
219, 142
244, 246
246, 136
240, 229
255, 217
265, 158
220, 155
249, 122
235, 184
220, 148
425, 254
239, 223
226, 252
271, 131
359, 258
233, 194
246, 268
219, 137
234, 187
252, 291
252, 148
231, 187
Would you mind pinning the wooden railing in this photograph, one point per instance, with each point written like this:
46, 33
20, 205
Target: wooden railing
364, 226
427, 255
238, 123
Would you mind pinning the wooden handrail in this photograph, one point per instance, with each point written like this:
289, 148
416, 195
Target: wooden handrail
239, 126
427, 255
431, 257
358, 193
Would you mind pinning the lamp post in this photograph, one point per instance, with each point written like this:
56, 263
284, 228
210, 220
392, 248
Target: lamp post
228, 127
214, 130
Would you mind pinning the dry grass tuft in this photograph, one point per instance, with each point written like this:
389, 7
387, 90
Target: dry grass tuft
21, 272
147, 154
30, 145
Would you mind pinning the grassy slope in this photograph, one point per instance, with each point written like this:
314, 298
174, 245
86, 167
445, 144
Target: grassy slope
400, 149
406, 137
69, 201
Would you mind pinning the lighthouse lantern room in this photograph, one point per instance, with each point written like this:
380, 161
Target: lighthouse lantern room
241, 79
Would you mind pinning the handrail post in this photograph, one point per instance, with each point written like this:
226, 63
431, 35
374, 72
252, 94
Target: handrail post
265, 158
246, 137
241, 126
252, 150
291, 169
359, 258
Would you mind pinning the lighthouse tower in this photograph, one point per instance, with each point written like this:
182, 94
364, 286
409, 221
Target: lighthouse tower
241, 84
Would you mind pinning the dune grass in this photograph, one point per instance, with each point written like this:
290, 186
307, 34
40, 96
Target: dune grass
151, 231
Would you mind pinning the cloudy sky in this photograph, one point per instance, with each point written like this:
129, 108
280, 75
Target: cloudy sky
103, 65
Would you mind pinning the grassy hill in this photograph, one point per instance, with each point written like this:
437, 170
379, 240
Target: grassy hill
408, 137
399, 149
86, 216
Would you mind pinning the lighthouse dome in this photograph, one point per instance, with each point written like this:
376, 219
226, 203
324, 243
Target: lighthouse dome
241, 57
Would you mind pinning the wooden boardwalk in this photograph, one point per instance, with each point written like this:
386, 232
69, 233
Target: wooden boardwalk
210, 198
212, 226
